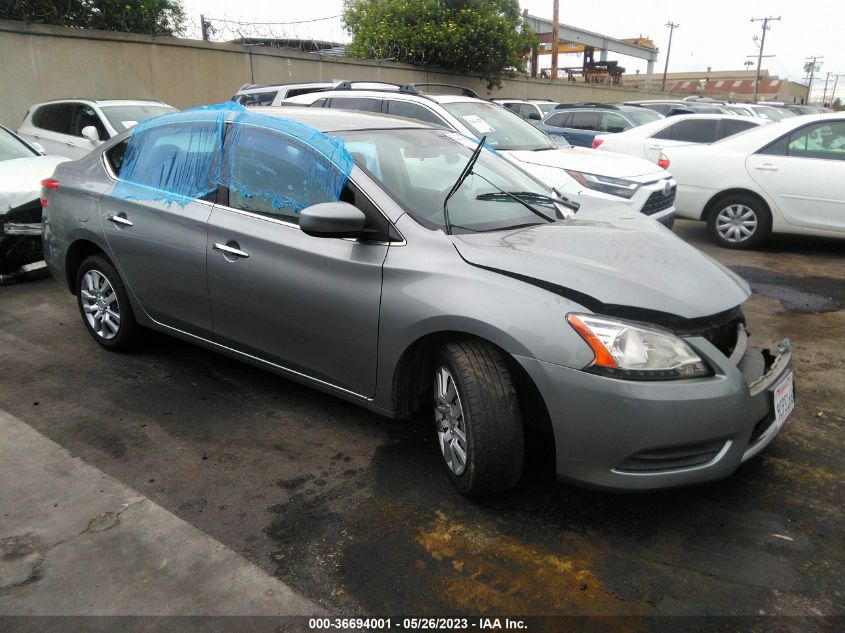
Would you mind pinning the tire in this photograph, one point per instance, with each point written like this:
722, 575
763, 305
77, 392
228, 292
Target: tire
107, 316
733, 216
474, 394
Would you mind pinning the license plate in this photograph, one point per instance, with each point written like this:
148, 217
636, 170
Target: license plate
784, 399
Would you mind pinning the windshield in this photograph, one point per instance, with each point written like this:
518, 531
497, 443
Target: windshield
123, 117
545, 108
643, 115
774, 114
503, 129
418, 168
11, 148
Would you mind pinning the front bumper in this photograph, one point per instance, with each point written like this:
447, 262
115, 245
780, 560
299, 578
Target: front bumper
636, 435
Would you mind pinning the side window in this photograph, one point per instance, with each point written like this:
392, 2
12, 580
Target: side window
177, 160
822, 140
84, 115
733, 127
694, 131
529, 112
356, 103
114, 156
559, 119
414, 111
258, 98
54, 117
272, 174
613, 123
319, 103
585, 121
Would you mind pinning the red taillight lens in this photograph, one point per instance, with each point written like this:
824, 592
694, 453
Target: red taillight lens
597, 142
47, 183
663, 161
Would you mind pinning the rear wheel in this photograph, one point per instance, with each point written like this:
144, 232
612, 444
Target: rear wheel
104, 304
477, 418
739, 221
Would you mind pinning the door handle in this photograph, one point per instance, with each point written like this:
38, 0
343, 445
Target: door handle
119, 219
230, 250
766, 167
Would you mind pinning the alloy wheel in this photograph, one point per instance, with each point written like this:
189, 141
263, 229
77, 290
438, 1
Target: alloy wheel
100, 304
449, 416
736, 223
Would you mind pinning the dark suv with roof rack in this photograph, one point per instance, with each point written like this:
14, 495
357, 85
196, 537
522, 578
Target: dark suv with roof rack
579, 123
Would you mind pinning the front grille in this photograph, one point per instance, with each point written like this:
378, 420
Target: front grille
658, 202
672, 458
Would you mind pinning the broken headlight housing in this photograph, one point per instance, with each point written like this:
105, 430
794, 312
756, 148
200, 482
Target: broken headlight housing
636, 351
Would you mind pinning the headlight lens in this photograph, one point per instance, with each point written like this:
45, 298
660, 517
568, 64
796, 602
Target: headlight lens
606, 184
636, 351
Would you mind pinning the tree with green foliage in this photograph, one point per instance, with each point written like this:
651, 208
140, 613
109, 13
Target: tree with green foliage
837, 105
155, 17
484, 37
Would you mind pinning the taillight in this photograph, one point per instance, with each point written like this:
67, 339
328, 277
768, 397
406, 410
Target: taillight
663, 161
597, 142
47, 183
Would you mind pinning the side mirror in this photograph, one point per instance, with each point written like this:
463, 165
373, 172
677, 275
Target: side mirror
90, 132
39, 148
332, 219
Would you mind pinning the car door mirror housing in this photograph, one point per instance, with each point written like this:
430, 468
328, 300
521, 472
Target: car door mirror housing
332, 219
90, 132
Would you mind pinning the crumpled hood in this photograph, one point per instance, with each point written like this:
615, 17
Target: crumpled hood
20, 179
633, 262
590, 161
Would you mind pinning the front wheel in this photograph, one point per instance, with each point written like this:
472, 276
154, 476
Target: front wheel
739, 221
477, 418
104, 304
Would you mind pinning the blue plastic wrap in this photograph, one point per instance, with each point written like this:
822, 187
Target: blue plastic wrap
266, 162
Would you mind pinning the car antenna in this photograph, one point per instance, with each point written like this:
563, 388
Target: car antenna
466, 171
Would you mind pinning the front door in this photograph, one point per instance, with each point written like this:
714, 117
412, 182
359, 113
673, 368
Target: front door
308, 304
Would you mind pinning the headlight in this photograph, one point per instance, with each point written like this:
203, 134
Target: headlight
636, 351
606, 184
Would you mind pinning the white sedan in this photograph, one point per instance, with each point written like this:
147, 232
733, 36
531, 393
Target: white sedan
648, 140
784, 177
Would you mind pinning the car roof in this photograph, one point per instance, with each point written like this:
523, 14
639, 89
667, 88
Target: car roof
104, 101
336, 120
291, 84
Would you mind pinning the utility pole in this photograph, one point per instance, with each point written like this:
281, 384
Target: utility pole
766, 27
204, 26
826, 81
811, 67
555, 36
672, 26
835, 81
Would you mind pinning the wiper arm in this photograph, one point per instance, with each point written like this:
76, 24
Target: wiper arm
467, 170
529, 195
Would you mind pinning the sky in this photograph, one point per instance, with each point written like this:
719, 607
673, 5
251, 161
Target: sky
717, 34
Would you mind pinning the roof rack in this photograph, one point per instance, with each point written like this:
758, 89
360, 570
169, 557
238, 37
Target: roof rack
414, 89
586, 104
348, 84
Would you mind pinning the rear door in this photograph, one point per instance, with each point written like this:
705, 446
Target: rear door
308, 304
158, 237
804, 173
581, 130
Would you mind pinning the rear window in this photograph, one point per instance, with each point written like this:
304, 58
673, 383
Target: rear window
691, 131
734, 127
585, 121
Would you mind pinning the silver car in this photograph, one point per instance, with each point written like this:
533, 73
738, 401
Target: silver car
403, 267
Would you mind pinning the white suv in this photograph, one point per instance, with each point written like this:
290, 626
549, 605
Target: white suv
274, 94
73, 127
596, 180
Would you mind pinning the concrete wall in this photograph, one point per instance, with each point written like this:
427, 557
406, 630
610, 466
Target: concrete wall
42, 62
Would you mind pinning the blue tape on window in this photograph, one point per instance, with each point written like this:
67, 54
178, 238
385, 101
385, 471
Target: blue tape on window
270, 161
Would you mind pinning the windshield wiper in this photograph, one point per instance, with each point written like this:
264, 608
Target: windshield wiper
465, 172
529, 195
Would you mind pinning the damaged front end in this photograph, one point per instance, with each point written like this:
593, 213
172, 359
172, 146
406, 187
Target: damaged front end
21, 253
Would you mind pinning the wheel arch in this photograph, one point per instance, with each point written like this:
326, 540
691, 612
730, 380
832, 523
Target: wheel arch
411, 378
77, 253
713, 203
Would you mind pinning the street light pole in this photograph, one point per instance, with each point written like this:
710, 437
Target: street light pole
555, 36
672, 26
766, 27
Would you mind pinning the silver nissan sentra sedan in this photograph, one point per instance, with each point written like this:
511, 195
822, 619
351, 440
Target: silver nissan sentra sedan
403, 267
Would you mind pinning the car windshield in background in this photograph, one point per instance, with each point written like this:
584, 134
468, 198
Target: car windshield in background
775, 114
503, 129
124, 117
545, 108
641, 116
11, 148
419, 167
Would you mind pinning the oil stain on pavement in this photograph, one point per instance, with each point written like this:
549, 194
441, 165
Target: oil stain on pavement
804, 295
